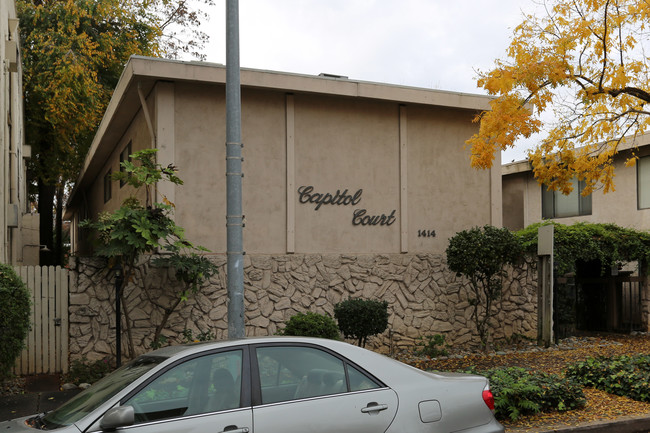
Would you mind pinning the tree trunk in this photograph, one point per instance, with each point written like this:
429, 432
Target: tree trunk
163, 322
128, 272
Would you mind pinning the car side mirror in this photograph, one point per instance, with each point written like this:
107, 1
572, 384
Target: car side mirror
120, 416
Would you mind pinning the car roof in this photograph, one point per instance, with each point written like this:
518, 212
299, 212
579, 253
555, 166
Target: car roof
389, 369
186, 349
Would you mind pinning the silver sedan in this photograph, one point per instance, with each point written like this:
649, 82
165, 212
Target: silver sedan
272, 385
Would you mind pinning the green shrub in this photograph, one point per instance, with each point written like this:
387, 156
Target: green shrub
158, 342
360, 318
189, 337
82, 371
518, 392
186, 337
311, 325
432, 346
627, 376
14, 317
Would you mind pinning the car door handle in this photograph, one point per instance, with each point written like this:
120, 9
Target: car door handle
235, 429
374, 407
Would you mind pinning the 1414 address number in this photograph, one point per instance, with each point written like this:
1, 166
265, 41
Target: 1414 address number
426, 233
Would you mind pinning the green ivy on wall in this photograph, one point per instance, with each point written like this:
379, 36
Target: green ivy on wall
607, 243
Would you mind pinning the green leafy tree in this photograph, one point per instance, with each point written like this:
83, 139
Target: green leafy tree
73, 53
481, 254
361, 318
14, 317
135, 229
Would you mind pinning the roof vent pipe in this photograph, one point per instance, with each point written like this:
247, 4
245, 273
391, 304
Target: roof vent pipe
326, 75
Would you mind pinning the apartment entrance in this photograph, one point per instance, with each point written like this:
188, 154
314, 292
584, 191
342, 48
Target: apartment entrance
610, 302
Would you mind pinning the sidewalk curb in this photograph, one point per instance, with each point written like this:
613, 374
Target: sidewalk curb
626, 424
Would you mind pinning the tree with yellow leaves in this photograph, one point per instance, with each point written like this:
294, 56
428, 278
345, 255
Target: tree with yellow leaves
587, 61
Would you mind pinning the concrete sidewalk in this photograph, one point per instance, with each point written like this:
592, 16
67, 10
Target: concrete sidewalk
42, 394
19, 405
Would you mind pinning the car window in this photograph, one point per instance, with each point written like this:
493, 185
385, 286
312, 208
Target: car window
360, 381
90, 399
292, 372
206, 384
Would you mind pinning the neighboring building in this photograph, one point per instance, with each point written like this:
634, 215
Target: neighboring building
18, 227
396, 152
351, 189
615, 301
526, 202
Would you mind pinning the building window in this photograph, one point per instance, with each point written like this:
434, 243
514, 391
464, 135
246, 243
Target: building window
557, 205
124, 156
107, 186
643, 182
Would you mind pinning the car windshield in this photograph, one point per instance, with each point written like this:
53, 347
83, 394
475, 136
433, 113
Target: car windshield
90, 399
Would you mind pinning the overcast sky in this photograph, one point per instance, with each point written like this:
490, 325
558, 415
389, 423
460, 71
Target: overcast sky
433, 44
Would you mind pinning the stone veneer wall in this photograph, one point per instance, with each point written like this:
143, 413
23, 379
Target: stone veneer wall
424, 296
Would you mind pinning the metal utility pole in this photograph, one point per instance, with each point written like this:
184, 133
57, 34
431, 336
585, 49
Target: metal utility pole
234, 216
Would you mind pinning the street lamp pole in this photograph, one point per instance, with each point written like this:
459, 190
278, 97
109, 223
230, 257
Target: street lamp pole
234, 215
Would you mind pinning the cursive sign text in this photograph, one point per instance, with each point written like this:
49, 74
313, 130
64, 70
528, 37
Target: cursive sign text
307, 195
360, 218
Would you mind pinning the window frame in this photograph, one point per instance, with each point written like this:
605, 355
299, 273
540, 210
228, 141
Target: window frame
245, 385
256, 394
547, 194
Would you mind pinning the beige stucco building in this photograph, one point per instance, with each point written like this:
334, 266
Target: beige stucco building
350, 189
526, 202
18, 227
392, 158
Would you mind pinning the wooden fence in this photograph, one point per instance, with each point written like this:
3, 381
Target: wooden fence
47, 343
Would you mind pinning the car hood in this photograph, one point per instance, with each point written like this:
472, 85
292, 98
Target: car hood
18, 425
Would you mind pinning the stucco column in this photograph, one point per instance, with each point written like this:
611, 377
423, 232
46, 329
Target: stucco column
291, 175
403, 179
166, 141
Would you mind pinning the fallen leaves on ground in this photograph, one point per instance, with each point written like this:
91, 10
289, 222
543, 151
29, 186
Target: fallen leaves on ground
600, 406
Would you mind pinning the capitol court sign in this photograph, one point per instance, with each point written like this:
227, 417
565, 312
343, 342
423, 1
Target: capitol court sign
360, 217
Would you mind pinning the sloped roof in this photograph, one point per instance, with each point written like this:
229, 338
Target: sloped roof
628, 143
143, 73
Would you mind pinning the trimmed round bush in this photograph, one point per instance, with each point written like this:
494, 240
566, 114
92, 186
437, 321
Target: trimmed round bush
311, 325
361, 318
14, 317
